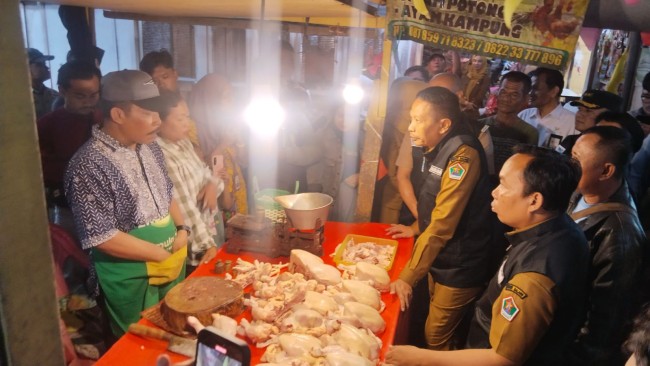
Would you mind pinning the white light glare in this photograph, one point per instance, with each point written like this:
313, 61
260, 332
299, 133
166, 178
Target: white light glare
264, 115
352, 93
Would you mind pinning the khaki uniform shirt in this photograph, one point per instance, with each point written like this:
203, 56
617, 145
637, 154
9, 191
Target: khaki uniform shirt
450, 204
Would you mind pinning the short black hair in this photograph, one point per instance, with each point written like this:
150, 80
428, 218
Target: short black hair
105, 107
553, 78
169, 100
646, 82
77, 70
628, 123
154, 59
615, 146
518, 77
638, 343
553, 175
444, 102
435, 55
418, 68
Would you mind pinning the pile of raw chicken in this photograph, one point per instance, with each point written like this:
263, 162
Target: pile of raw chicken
312, 314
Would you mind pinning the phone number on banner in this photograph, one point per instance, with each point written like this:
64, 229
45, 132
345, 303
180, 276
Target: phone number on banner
497, 48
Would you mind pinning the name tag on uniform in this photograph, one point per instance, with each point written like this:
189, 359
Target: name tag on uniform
435, 170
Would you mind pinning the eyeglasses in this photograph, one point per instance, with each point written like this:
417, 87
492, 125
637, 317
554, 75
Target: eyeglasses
645, 96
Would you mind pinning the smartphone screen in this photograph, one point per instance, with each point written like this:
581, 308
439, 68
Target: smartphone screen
214, 356
217, 349
217, 162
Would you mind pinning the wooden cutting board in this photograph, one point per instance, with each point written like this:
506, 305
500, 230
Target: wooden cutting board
201, 297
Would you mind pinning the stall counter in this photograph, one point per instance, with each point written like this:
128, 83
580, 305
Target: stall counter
134, 350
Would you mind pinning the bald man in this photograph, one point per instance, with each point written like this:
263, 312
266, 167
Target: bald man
408, 180
408, 184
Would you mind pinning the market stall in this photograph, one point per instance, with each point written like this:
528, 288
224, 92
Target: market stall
135, 350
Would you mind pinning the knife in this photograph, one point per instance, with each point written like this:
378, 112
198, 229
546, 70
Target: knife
176, 344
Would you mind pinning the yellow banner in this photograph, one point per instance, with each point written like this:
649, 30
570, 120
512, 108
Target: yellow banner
542, 33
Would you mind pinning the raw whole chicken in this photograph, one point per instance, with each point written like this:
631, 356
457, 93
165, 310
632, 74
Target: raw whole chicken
225, 324
257, 331
346, 359
319, 302
296, 345
377, 276
363, 293
356, 341
312, 267
293, 349
365, 316
299, 258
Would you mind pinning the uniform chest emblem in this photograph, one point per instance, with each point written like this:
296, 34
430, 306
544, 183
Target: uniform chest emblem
509, 309
456, 171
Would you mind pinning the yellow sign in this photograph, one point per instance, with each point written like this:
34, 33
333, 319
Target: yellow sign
542, 33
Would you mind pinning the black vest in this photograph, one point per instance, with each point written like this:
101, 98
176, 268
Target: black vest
465, 259
557, 249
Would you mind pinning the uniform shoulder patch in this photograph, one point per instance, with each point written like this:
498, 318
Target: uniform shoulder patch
457, 171
516, 290
460, 159
509, 308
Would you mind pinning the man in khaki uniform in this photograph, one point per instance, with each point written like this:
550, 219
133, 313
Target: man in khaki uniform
454, 246
530, 312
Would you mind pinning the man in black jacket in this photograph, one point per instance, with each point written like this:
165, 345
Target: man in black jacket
605, 211
531, 309
454, 247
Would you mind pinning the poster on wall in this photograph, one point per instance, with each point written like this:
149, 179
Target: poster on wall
542, 33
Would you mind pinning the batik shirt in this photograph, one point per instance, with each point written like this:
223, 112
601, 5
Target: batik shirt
112, 188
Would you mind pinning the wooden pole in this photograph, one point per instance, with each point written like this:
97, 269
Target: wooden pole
28, 307
374, 128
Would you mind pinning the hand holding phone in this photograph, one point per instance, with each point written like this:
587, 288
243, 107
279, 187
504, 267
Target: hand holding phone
215, 348
217, 163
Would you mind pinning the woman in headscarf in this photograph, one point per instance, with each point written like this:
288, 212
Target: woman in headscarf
221, 146
476, 80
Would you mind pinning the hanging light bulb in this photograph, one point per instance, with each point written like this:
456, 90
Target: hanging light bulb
264, 114
352, 93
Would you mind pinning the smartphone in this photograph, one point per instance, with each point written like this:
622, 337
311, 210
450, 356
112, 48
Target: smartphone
217, 349
217, 163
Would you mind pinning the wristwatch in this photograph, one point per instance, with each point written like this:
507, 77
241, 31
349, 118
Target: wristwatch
184, 227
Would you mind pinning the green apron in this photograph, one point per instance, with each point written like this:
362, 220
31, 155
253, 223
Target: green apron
131, 286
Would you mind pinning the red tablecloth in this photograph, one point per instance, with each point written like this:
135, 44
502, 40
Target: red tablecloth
134, 350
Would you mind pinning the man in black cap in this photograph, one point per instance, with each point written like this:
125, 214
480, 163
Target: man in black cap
121, 199
590, 106
40, 72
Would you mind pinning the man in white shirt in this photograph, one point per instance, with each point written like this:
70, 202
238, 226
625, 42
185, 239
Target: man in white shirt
552, 121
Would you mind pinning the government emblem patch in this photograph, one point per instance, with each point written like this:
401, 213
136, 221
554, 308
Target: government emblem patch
509, 309
456, 171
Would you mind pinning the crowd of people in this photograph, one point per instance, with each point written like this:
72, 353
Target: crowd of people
528, 237
143, 178
528, 219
